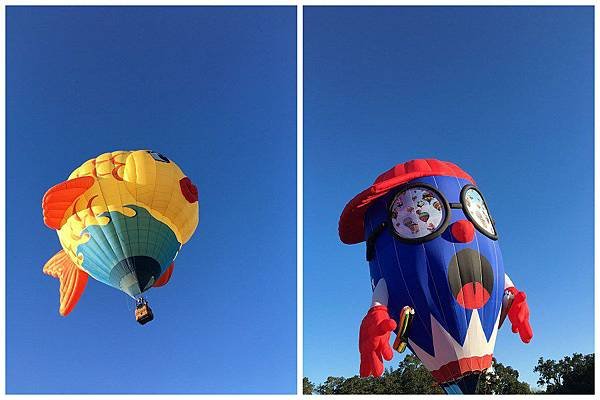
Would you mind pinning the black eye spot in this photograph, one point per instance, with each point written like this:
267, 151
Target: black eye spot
158, 156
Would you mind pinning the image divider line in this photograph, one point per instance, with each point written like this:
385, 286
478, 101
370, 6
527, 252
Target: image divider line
299, 192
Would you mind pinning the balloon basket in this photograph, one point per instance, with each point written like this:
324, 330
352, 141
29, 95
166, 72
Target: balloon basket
143, 312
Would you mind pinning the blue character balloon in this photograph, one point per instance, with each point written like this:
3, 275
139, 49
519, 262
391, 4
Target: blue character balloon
436, 272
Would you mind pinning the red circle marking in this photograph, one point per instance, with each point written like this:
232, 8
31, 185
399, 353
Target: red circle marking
472, 295
189, 190
463, 231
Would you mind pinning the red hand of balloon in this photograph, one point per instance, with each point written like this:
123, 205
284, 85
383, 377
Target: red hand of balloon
519, 317
374, 341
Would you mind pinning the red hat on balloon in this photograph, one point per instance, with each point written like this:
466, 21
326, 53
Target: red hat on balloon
352, 226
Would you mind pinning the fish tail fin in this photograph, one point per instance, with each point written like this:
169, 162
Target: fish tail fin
72, 280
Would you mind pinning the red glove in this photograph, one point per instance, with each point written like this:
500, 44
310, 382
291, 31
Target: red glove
518, 314
374, 341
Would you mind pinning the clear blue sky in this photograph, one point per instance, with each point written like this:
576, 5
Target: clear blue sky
506, 93
213, 89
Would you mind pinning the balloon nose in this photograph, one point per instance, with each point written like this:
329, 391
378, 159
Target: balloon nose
189, 190
463, 231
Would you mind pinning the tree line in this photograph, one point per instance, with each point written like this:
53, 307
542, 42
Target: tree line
571, 374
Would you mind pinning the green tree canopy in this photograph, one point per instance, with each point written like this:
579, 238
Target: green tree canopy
307, 386
501, 380
410, 377
573, 374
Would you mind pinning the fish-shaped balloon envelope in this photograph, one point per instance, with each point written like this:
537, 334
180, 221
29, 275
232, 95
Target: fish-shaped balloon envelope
436, 272
121, 218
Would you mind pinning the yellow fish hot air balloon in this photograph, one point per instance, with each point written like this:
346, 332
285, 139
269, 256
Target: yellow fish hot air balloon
121, 218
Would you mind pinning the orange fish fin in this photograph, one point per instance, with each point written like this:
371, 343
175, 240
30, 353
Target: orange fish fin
164, 278
72, 280
59, 199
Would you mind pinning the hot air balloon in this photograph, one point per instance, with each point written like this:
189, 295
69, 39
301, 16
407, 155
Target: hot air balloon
121, 218
436, 272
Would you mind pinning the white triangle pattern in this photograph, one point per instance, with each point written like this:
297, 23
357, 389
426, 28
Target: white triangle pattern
447, 349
